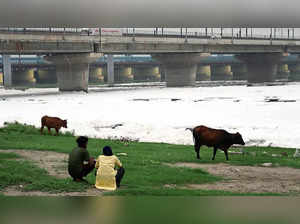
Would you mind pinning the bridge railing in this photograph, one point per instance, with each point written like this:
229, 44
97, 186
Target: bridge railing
210, 33
38, 30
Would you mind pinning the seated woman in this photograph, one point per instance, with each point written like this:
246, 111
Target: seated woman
107, 177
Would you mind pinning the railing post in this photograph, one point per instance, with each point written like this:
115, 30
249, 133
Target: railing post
133, 38
185, 35
271, 36
100, 38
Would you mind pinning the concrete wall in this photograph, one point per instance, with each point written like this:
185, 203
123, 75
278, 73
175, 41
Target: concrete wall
261, 67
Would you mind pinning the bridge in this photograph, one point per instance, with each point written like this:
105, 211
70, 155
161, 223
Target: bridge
179, 55
27, 70
39, 61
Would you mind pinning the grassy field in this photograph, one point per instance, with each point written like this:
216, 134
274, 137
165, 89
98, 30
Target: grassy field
30, 177
146, 173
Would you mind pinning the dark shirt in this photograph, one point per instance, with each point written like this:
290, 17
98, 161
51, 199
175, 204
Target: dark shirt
76, 159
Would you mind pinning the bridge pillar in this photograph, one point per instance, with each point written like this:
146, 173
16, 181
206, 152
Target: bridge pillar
162, 73
294, 72
72, 70
7, 80
46, 76
221, 72
203, 73
180, 68
261, 67
239, 71
96, 74
23, 76
146, 73
282, 72
110, 69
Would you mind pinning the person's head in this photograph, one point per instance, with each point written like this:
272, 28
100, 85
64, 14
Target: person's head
107, 151
82, 141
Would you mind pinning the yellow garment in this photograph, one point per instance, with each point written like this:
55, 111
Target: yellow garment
106, 172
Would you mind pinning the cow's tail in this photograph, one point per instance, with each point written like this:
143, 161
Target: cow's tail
192, 130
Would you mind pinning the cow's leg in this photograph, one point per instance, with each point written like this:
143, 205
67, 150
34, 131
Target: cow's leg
215, 151
42, 129
56, 129
49, 131
197, 149
226, 154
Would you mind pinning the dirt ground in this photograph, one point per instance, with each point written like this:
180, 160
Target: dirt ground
246, 179
56, 165
242, 179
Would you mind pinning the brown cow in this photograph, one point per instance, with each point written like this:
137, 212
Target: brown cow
53, 122
216, 138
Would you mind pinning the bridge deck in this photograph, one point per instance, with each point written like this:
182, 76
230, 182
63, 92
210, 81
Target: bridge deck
59, 43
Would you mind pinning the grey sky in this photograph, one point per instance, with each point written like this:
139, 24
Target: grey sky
149, 13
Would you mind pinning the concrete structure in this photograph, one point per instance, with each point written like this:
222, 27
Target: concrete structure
158, 45
146, 73
203, 73
45, 75
282, 72
239, 71
23, 76
96, 74
180, 69
145, 68
7, 71
12, 43
294, 72
124, 73
72, 70
261, 67
110, 69
178, 55
221, 72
